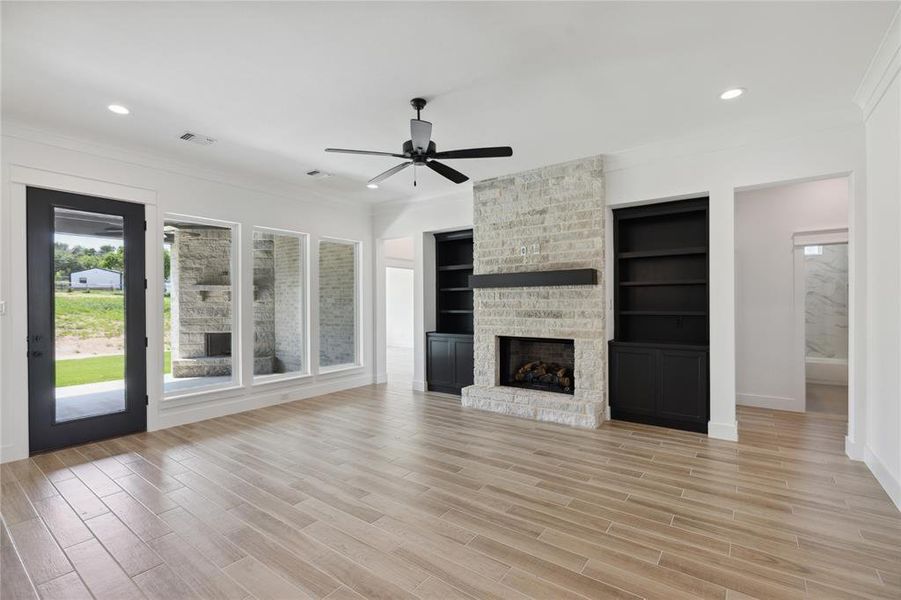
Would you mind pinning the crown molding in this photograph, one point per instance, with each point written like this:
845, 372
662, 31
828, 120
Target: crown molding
883, 68
271, 186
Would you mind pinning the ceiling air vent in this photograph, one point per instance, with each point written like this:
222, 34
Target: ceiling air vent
196, 138
317, 174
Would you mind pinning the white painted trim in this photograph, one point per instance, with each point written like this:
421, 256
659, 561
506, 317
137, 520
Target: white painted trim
771, 402
74, 184
853, 450
419, 386
380, 378
193, 412
891, 485
883, 68
821, 237
723, 431
826, 371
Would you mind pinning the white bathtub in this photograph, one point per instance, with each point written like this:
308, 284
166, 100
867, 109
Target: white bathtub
831, 371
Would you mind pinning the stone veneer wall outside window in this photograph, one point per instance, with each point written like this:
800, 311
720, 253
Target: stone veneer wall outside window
560, 209
337, 303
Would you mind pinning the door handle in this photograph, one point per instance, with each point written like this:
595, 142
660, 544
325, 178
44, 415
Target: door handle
37, 354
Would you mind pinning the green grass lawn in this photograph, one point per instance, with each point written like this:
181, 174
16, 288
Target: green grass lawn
76, 371
94, 314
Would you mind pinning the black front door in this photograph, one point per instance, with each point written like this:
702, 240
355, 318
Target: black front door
87, 369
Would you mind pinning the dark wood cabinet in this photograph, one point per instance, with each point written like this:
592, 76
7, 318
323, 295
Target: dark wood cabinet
449, 350
658, 360
449, 364
659, 385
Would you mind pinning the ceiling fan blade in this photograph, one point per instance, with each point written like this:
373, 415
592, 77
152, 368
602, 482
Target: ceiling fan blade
367, 152
493, 152
444, 170
421, 134
390, 172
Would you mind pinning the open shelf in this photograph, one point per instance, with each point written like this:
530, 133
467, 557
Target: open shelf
663, 282
454, 265
665, 252
665, 313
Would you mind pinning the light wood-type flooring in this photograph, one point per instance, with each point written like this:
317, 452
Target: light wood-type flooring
380, 492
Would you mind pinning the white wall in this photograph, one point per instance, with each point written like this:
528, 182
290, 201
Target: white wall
880, 99
29, 157
399, 307
717, 165
416, 220
769, 353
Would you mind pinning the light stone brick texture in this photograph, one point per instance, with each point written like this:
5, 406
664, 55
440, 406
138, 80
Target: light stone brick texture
560, 210
337, 278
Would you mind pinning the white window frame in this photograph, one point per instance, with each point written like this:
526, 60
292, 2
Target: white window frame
358, 310
304, 311
236, 339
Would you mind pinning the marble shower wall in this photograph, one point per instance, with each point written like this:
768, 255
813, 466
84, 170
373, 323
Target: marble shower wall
826, 303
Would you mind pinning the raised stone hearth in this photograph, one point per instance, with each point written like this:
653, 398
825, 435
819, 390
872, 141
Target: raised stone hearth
546, 219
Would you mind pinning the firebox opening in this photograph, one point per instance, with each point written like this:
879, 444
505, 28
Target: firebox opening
218, 344
545, 364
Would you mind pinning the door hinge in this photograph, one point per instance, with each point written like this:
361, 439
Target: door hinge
145, 283
146, 343
145, 225
146, 400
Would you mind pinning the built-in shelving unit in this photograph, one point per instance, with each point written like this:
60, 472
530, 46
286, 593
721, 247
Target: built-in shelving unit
449, 349
658, 371
453, 262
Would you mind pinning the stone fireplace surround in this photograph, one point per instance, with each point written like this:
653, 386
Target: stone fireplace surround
545, 219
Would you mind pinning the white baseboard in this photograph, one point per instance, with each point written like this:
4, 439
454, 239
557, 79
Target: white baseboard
888, 481
853, 450
419, 386
210, 410
381, 378
772, 402
723, 431
827, 371
11, 452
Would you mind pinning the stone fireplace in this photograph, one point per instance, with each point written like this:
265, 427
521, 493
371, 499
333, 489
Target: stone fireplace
544, 220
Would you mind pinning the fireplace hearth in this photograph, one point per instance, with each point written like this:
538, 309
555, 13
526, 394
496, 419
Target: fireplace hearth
545, 364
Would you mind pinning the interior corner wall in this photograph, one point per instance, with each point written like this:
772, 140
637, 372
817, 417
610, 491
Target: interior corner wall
769, 361
882, 451
170, 188
416, 220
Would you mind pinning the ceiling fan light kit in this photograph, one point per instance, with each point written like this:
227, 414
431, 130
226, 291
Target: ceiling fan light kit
421, 150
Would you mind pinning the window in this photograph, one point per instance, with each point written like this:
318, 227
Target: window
338, 320
198, 304
279, 303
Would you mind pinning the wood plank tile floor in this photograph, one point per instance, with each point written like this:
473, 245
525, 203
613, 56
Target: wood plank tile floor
384, 493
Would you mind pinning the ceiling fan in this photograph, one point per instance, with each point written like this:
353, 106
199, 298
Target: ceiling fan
421, 150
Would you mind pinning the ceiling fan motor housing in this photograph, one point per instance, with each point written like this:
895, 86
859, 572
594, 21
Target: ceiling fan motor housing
414, 156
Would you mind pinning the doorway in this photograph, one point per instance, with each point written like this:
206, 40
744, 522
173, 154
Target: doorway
825, 279
87, 374
399, 311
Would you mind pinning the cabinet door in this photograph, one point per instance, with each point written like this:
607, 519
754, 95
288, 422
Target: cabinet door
463, 362
441, 362
683, 385
633, 386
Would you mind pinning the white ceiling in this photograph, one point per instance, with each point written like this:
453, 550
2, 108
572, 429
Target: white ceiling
276, 83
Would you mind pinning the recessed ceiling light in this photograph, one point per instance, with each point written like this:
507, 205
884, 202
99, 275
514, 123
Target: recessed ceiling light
372, 186
732, 94
118, 109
